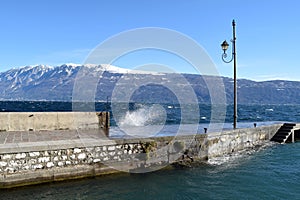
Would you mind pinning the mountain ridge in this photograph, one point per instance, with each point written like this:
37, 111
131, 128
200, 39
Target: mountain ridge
55, 83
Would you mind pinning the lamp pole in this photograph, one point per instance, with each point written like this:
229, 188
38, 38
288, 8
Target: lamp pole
225, 46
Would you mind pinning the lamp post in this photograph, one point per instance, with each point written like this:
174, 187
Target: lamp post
225, 46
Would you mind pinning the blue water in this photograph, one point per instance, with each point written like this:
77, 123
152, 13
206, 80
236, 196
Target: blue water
268, 172
246, 113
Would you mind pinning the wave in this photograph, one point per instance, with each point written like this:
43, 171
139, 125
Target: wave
234, 158
144, 116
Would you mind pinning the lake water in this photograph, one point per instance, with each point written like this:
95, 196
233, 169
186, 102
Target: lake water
269, 172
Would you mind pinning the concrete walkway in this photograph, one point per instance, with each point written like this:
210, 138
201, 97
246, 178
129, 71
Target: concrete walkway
20, 141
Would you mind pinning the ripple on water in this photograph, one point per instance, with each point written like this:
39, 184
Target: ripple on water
269, 172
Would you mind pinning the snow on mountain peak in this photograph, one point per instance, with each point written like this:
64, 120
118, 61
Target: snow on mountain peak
114, 69
41, 69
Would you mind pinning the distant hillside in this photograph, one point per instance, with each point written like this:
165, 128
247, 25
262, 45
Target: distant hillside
56, 84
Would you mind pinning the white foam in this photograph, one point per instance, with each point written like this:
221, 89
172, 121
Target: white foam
231, 158
146, 115
153, 116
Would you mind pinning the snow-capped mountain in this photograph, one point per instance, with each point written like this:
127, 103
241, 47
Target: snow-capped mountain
44, 82
51, 83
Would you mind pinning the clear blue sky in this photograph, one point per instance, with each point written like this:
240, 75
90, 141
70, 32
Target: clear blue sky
53, 32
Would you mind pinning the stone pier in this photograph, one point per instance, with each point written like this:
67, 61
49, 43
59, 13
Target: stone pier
62, 146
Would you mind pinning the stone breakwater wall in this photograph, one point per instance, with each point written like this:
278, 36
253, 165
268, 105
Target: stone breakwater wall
235, 140
62, 160
44, 165
35, 121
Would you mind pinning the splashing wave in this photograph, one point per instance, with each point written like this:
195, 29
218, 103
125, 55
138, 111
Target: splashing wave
144, 116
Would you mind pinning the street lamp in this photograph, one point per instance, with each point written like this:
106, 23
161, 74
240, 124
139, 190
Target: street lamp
225, 46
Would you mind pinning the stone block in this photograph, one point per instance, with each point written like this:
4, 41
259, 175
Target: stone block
38, 166
20, 155
76, 150
34, 154
3, 164
43, 159
82, 156
60, 164
96, 160
111, 148
68, 162
50, 164
7, 157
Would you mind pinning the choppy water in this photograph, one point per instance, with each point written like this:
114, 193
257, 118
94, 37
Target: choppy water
246, 113
269, 172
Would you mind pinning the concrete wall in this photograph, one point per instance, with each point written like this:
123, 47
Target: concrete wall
61, 160
34, 121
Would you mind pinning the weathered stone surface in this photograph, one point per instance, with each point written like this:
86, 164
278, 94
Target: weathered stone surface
96, 160
3, 164
81, 156
73, 157
68, 162
21, 155
76, 150
60, 164
111, 148
34, 154
50, 164
43, 159
7, 157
